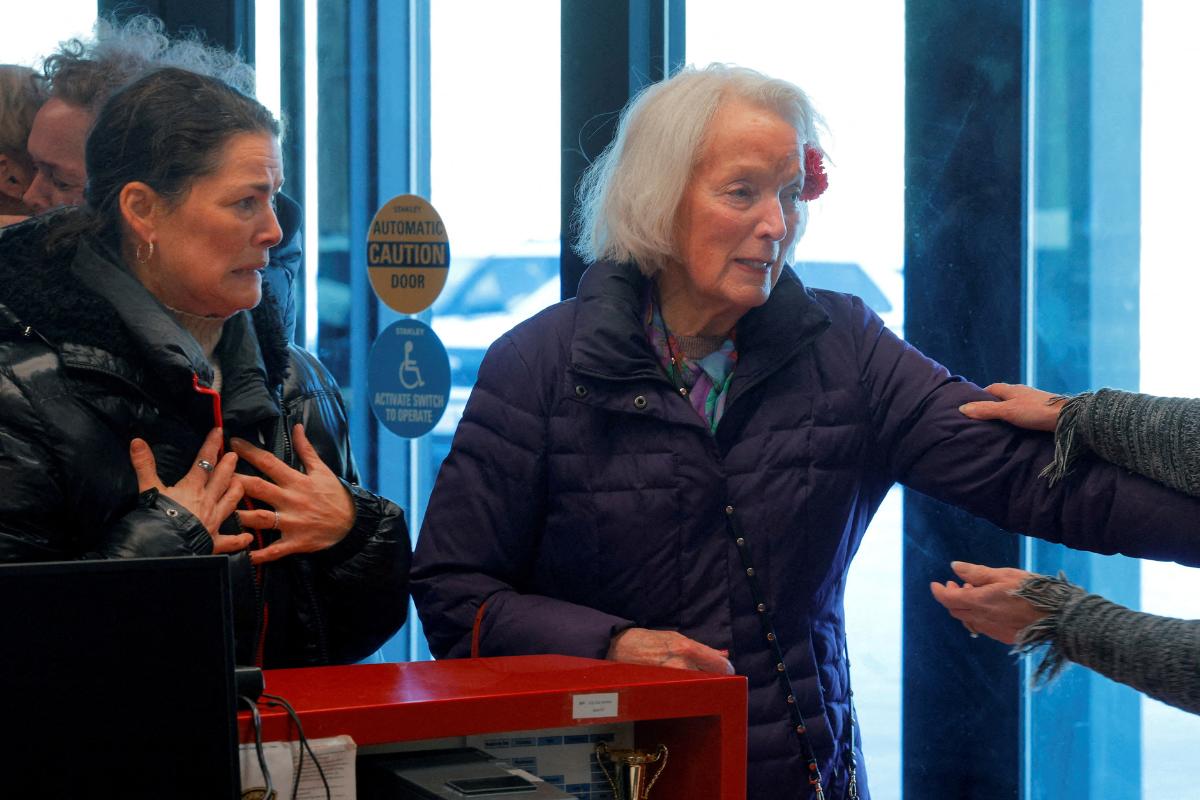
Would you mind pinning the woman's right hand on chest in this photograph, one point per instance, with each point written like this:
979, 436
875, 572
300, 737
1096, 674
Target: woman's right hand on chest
208, 490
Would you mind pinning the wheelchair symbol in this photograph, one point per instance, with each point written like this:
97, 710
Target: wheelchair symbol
410, 373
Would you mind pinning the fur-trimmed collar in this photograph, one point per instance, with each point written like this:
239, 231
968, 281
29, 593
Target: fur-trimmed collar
39, 290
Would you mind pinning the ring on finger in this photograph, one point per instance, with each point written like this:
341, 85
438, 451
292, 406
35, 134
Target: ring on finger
205, 465
276, 525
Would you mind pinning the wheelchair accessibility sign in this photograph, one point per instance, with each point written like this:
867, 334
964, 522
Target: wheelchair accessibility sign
408, 378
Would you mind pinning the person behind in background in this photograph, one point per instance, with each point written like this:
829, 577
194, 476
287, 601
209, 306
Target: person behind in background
677, 466
82, 75
135, 350
1156, 436
21, 95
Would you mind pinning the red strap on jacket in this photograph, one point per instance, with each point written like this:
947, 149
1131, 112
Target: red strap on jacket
475, 630
219, 422
218, 416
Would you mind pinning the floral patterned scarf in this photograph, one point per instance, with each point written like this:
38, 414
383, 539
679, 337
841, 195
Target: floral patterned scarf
706, 380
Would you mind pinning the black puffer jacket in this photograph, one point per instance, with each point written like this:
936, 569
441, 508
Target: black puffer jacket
89, 360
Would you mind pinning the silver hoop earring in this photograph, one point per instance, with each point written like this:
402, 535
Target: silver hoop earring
137, 254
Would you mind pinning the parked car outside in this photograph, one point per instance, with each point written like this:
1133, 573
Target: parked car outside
485, 298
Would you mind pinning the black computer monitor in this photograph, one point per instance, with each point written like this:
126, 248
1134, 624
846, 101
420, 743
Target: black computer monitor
117, 680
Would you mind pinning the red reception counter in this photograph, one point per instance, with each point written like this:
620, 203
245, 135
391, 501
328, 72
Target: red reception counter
701, 718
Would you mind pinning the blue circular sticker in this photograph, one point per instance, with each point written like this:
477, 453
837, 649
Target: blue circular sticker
408, 378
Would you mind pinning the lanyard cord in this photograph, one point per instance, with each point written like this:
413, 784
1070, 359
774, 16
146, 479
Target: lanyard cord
766, 622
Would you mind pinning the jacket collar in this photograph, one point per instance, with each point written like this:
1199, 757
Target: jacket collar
609, 340
169, 350
97, 316
248, 392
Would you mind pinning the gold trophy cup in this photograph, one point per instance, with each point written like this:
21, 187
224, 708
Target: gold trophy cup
630, 777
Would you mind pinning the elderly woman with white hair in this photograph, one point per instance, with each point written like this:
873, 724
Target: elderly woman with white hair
677, 466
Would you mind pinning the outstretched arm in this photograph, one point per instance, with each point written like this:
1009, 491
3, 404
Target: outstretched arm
993, 470
1156, 655
1158, 437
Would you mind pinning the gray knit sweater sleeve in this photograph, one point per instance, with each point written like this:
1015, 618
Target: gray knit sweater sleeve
1158, 437
1156, 655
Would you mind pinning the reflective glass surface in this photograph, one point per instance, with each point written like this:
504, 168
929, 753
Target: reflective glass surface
1110, 294
495, 179
1170, 284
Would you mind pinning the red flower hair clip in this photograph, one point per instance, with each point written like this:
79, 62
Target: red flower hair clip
815, 179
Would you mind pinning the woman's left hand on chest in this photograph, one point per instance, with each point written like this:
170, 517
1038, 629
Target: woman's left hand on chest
315, 511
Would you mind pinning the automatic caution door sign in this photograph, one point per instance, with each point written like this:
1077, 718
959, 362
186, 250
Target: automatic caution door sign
408, 254
408, 378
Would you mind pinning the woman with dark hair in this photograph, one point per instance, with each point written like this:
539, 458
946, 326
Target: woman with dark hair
136, 330
83, 73
677, 466
1158, 437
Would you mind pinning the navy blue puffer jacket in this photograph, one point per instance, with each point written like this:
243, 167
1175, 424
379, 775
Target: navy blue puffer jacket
583, 496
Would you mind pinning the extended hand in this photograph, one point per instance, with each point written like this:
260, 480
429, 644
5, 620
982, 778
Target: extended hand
210, 495
666, 649
1019, 405
985, 603
315, 511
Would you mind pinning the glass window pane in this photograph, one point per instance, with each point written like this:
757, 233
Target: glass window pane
864, 110
495, 177
1110, 308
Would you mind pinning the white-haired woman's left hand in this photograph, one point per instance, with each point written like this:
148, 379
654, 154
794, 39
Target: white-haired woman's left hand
312, 509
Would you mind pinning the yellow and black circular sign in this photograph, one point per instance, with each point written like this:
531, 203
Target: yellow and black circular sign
408, 254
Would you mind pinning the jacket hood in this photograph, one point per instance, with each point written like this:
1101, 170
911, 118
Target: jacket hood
83, 304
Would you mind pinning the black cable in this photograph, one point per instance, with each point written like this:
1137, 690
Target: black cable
258, 746
271, 703
276, 700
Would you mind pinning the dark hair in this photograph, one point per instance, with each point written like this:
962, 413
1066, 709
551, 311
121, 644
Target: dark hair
166, 130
